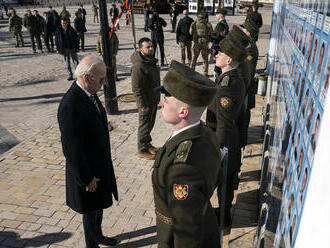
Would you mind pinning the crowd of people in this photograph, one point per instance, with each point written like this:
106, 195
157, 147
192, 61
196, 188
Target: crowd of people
187, 168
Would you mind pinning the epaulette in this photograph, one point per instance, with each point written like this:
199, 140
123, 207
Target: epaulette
182, 152
225, 81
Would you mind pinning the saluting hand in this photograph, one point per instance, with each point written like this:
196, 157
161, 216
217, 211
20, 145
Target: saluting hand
91, 187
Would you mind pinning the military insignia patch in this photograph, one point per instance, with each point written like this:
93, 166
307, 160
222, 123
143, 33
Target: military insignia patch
182, 152
180, 191
224, 102
249, 57
225, 81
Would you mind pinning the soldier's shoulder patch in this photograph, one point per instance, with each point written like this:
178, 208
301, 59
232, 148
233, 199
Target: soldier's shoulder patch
225, 81
249, 57
180, 191
225, 102
182, 152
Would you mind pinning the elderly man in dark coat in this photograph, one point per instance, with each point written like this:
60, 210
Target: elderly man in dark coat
90, 178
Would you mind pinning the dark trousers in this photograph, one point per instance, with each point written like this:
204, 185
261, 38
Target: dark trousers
146, 124
92, 222
160, 42
146, 25
234, 165
37, 38
68, 53
81, 38
49, 42
18, 37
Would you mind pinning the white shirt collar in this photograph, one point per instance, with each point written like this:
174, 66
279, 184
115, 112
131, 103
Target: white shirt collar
183, 129
87, 93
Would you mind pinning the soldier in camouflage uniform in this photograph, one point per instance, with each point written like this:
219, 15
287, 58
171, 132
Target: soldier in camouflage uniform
187, 168
96, 13
201, 30
15, 27
65, 15
114, 45
225, 110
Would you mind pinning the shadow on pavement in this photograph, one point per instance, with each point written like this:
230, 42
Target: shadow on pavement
250, 176
47, 96
12, 239
242, 217
139, 243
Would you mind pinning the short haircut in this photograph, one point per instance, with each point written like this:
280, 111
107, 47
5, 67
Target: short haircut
88, 66
144, 39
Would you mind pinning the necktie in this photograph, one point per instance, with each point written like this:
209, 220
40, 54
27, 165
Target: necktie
93, 99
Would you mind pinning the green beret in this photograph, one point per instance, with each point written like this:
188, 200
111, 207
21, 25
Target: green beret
231, 47
251, 26
189, 86
238, 34
200, 15
222, 11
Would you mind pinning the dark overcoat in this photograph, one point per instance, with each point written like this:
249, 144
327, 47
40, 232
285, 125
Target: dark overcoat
86, 147
185, 174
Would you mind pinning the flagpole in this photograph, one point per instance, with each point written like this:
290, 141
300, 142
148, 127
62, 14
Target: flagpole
133, 25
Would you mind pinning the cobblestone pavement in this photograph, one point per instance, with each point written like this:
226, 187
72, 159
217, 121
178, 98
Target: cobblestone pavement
32, 195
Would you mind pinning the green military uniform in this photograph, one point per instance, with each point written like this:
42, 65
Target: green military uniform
187, 170
223, 114
145, 77
65, 15
201, 30
252, 60
15, 27
114, 46
96, 13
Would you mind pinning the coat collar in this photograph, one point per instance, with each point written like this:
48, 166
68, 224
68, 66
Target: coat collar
189, 134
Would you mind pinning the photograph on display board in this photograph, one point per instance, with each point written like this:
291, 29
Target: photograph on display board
297, 89
315, 132
310, 115
304, 43
325, 81
302, 187
301, 37
302, 87
309, 48
312, 60
300, 161
292, 229
304, 106
319, 64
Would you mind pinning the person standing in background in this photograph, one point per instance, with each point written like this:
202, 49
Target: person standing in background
184, 38
145, 77
67, 44
96, 13
80, 27
15, 27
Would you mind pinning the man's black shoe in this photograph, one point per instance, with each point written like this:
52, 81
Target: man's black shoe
70, 78
109, 241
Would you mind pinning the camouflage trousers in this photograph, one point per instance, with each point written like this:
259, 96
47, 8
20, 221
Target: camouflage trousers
185, 46
18, 37
202, 48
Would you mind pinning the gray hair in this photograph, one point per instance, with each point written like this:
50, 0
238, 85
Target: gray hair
87, 65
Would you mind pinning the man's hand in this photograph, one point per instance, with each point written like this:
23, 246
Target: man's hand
91, 187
